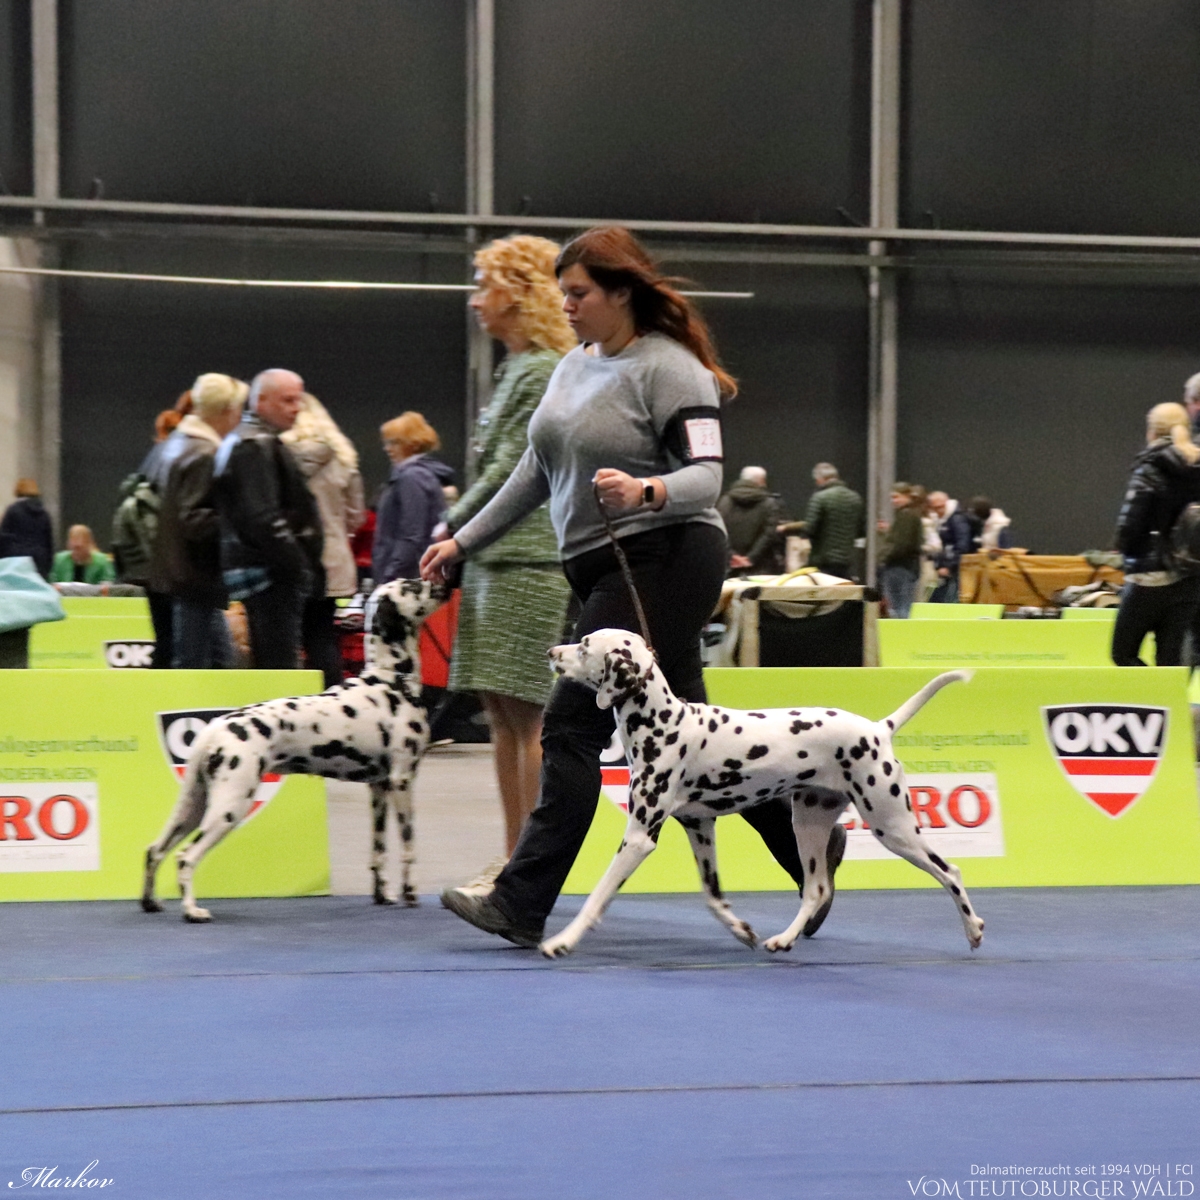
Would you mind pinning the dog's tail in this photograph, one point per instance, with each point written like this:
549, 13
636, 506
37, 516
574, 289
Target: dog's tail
911, 707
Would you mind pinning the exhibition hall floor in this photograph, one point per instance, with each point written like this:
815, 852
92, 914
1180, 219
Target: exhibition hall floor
327, 1047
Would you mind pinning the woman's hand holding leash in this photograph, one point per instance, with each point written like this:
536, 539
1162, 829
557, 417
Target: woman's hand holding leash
437, 560
617, 491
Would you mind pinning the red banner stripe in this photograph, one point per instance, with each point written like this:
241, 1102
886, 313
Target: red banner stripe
1109, 766
614, 776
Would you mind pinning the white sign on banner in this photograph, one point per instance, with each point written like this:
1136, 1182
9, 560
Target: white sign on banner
958, 815
50, 827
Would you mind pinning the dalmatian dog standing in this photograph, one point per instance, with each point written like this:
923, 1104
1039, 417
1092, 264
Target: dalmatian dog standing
696, 762
370, 730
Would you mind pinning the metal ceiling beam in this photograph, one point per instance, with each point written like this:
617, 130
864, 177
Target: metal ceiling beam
502, 221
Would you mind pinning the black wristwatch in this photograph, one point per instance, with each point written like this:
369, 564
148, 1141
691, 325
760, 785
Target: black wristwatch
647, 491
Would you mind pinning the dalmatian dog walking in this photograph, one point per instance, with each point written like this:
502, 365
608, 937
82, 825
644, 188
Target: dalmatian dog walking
696, 762
371, 729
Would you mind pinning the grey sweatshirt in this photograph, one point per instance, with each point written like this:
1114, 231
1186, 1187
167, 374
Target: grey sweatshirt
607, 412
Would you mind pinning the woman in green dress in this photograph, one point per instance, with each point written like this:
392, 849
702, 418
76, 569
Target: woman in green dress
514, 594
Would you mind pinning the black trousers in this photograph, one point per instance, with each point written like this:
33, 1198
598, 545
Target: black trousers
318, 636
678, 571
273, 618
162, 617
1168, 612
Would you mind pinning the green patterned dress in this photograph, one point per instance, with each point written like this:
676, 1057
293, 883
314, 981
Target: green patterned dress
514, 594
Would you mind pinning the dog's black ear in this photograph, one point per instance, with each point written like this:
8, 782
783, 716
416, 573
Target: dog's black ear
389, 622
621, 676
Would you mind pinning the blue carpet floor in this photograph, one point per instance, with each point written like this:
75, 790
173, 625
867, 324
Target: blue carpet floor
327, 1047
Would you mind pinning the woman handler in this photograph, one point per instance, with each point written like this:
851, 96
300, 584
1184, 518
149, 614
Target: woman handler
629, 422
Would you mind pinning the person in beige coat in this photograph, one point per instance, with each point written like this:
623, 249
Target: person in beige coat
329, 463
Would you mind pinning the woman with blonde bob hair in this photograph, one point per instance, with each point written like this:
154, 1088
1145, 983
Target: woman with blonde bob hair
1158, 597
625, 443
411, 504
514, 594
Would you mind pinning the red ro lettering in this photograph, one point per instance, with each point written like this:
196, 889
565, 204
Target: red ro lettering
17, 817
985, 806
925, 801
46, 818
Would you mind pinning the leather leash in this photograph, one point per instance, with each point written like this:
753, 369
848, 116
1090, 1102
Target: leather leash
623, 562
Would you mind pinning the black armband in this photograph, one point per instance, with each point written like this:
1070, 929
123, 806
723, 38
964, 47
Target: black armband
693, 435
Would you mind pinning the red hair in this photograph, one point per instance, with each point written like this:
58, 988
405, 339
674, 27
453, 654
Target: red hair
615, 259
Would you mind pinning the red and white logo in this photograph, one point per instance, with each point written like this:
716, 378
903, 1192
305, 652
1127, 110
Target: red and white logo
614, 774
1109, 752
50, 827
178, 730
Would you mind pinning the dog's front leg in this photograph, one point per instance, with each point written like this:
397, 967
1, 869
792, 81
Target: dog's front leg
379, 811
400, 788
701, 833
637, 845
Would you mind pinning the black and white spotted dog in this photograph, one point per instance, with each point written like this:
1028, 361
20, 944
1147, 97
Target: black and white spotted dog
369, 730
696, 762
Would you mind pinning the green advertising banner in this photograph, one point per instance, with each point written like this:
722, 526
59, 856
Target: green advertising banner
92, 642
1055, 777
88, 778
106, 606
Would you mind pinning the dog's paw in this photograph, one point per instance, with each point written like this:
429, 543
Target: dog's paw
744, 934
381, 897
409, 897
196, 916
555, 947
150, 905
777, 943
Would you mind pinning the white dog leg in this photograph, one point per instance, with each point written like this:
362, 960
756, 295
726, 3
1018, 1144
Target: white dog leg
223, 816
702, 834
899, 837
379, 811
813, 825
401, 793
185, 817
635, 849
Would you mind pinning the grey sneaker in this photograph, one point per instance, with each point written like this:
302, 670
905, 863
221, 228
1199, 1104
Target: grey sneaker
833, 859
484, 913
483, 883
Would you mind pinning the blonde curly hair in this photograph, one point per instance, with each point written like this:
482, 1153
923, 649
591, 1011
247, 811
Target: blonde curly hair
313, 423
524, 267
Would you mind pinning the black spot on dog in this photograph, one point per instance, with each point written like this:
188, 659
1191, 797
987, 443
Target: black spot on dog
712, 725
230, 818
801, 753
887, 767
966, 908
800, 727
831, 802
263, 728
734, 764
238, 731
811, 799
393, 702
894, 789
234, 762
938, 862
214, 763
738, 729
870, 781
956, 889
724, 718
807, 774
812, 866
292, 705
672, 738
350, 712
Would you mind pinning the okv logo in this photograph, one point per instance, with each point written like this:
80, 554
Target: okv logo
177, 734
129, 654
1108, 752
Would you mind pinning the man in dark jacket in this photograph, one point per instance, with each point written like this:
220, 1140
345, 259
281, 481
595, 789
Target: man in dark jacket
185, 562
271, 536
752, 515
834, 520
25, 529
954, 529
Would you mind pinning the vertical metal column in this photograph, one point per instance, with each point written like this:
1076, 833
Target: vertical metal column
46, 187
885, 213
481, 76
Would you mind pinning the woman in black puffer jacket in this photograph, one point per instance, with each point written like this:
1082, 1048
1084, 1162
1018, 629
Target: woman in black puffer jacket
1157, 598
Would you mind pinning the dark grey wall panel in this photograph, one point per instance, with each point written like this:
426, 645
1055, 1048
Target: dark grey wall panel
1037, 397
798, 351
697, 109
1076, 115
130, 349
16, 104
323, 103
